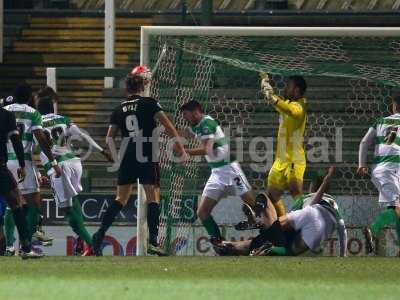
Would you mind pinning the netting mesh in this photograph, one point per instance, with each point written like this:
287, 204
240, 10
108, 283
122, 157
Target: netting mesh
350, 82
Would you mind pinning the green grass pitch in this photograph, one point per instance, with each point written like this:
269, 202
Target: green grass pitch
115, 278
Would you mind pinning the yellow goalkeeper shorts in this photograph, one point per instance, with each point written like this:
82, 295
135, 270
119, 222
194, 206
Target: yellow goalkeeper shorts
282, 173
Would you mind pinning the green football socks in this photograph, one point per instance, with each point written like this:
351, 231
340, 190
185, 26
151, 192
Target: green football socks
211, 227
75, 220
384, 219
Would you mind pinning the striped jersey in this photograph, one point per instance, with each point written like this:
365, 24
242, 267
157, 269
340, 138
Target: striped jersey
387, 140
28, 120
56, 127
208, 128
330, 213
328, 201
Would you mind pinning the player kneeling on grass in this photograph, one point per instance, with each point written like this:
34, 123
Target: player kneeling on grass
66, 187
311, 222
385, 133
136, 118
227, 178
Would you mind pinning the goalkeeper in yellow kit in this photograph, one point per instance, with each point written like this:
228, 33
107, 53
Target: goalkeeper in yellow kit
290, 162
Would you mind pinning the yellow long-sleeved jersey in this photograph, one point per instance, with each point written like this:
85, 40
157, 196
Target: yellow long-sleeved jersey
292, 123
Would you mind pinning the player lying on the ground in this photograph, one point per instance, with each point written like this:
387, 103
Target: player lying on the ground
312, 221
8, 185
290, 162
227, 178
66, 187
29, 124
136, 118
385, 134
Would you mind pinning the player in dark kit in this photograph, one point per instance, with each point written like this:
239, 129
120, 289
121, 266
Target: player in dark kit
8, 186
136, 118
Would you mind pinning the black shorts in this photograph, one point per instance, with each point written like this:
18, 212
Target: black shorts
274, 235
131, 170
7, 182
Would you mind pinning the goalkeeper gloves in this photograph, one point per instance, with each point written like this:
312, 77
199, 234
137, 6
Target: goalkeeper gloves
267, 89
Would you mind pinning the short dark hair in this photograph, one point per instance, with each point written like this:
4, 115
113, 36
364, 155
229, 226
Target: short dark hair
45, 106
47, 92
192, 105
396, 98
134, 83
23, 93
300, 82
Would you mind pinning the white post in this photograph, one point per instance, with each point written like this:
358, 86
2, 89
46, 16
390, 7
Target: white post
1, 30
51, 75
109, 40
51, 81
141, 222
141, 230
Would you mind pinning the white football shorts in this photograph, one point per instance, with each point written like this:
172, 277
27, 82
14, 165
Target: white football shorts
31, 182
387, 182
315, 225
228, 180
69, 184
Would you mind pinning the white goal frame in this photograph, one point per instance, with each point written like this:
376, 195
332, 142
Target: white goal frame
148, 31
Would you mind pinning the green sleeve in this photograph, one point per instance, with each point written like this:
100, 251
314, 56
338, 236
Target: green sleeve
209, 127
37, 119
68, 121
377, 122
298, 203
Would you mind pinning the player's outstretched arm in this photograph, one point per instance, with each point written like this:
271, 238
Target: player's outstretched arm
110, 142
171, 131
292, 109
75, 130
204, 149
322, 188
44, 144
185, 133
365, 143
267, 89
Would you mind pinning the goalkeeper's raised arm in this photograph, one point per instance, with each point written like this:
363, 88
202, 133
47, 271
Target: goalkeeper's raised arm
287, 104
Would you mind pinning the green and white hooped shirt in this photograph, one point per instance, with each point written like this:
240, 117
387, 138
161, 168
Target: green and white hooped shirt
28, 119
208, 128
327, 200
56, 128
387, 153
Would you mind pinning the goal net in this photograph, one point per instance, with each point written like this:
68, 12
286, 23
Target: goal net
351, 73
